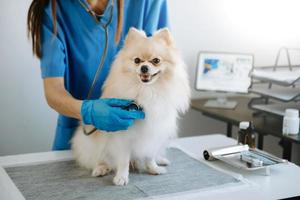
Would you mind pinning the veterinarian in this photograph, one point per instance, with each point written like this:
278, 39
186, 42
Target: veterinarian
69, 37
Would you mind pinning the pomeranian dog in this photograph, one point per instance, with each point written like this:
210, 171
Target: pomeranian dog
150, 71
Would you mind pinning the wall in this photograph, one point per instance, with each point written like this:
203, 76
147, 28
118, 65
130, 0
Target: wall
26, 122
260, 27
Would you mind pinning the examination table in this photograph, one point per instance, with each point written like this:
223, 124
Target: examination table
283, 182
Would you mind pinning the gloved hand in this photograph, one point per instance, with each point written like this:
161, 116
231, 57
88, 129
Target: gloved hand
108, 115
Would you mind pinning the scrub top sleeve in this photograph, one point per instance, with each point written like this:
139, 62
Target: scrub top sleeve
156, 16
53, 61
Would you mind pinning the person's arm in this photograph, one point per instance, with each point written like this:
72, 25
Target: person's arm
59, 99
104, 114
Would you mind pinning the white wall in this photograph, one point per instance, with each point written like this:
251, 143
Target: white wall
257, 26
26, 122
260, 27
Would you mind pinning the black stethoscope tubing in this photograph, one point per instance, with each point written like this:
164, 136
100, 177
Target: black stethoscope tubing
100, 66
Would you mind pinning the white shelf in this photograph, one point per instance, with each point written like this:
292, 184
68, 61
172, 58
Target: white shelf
280, 93
276, 108
282, 77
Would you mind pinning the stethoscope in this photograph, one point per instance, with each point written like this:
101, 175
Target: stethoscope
99, 69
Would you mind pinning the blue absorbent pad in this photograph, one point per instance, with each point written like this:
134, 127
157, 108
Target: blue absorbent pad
66, 180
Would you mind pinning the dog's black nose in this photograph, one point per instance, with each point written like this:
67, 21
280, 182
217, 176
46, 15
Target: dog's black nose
144, 69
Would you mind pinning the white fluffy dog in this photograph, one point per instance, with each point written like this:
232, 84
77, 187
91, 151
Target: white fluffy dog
150, 71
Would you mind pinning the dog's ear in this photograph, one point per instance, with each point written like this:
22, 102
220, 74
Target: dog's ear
134, 34
165, 35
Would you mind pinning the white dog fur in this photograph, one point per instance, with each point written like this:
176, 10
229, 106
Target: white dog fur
165, 95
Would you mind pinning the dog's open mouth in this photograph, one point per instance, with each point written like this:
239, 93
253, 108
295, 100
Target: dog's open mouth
146, 77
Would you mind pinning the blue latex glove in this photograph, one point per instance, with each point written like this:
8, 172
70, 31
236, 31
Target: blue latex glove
108, 115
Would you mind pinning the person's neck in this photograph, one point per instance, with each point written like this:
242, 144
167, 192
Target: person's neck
98, 6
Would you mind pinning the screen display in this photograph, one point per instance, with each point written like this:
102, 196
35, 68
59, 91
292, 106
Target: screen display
224, 72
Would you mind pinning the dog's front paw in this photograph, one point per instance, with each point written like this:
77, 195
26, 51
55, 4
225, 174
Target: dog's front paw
101, 170
163, 161
120, 180
157, 170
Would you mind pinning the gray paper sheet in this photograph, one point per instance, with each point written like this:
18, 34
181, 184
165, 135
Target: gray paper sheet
66, 180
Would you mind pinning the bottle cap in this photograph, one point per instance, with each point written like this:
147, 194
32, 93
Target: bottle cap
244, 125
293, 113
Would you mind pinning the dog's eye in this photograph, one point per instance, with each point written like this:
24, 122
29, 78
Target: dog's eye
155, 61
137, 60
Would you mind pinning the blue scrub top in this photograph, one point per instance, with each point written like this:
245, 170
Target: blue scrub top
75, 52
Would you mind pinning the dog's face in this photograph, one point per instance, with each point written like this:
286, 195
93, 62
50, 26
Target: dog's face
148, 58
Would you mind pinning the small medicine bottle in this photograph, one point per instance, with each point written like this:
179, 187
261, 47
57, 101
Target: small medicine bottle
246, 134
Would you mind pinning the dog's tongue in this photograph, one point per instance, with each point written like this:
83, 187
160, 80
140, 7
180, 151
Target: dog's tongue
145, 77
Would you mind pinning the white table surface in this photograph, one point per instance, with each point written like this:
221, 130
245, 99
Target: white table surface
283, 182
